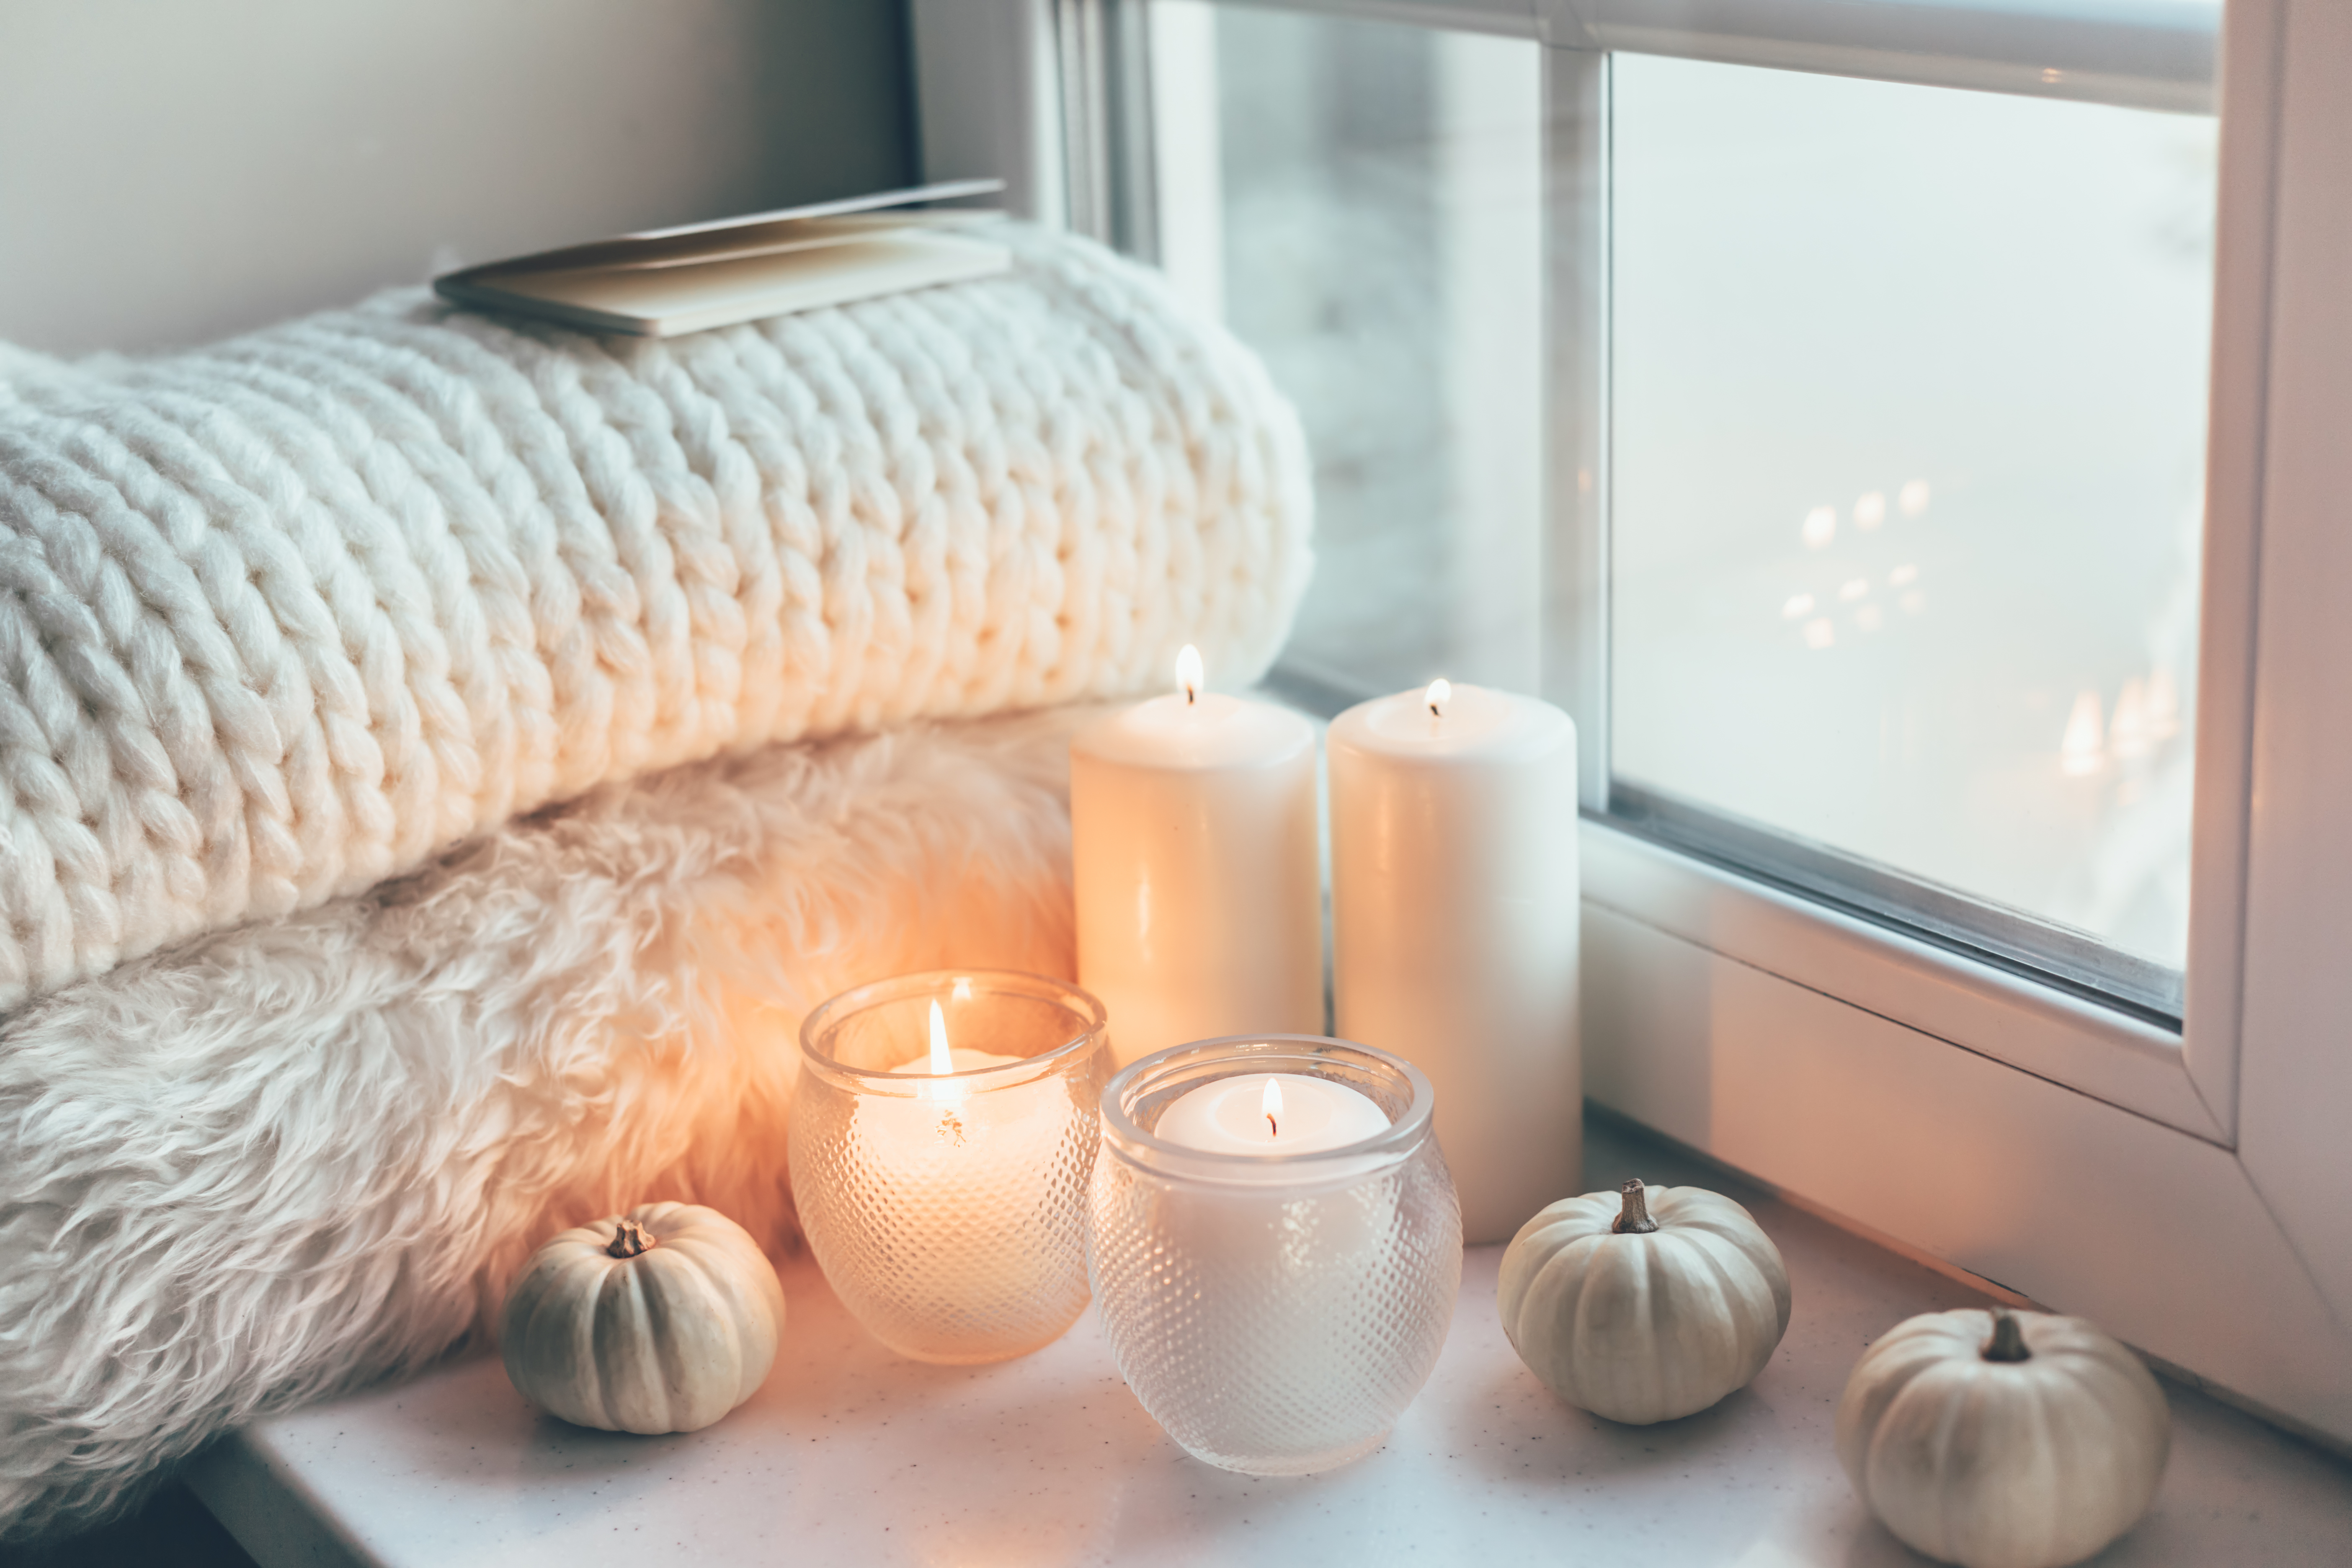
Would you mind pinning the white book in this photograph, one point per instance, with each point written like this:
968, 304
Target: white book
689, 280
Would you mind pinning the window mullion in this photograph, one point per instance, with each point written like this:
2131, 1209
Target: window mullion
1576, 405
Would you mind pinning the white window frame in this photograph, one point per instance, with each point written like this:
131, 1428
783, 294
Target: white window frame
2192, 1192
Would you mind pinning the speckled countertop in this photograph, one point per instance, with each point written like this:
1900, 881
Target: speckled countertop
851, 1456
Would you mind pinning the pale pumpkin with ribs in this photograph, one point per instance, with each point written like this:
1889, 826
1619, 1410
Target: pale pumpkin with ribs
2000, 1439
1644, 1304
662, 1320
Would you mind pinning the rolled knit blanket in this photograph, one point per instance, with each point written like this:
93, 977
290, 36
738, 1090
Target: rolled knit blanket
285, 617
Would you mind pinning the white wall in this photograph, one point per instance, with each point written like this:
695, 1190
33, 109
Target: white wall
174, 169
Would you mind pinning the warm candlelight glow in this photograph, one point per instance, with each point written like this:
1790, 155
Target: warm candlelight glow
1189, 674
942, 1060
1272, 1105
1441, 691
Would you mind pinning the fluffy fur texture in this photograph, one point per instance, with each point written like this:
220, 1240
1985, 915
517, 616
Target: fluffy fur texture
284, 618
286, 1159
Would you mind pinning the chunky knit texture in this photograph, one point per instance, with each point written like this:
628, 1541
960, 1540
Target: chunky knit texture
285, 1160
285, 617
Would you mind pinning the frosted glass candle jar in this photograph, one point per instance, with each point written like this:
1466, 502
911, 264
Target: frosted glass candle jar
1275, 1313
949, 1209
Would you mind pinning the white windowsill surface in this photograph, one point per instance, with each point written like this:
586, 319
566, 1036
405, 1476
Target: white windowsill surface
851, 1456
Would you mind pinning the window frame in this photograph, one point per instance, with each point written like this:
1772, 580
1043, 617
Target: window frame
2187, 1190
2183, 1078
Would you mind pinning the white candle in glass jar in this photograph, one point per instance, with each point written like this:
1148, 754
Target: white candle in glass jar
1192, 829
1240, 1227
1274, 1245
1271, 1113
959, 1147
940, 1183
1455, 929
960, 1158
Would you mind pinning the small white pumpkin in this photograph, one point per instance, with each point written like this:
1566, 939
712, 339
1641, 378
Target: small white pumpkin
2000, 1440
1645, 1303
662, 1320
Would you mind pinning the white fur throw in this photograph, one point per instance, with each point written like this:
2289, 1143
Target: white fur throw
286, 1159
284, 618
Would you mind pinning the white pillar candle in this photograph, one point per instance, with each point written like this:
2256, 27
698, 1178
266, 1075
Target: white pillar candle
1271, 1114
1454, 921
1193, 850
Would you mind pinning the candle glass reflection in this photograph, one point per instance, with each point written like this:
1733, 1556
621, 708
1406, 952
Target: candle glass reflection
1274, 1312
947, 1209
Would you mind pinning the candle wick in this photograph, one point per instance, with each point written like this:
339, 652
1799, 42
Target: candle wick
1274, 1127
1433, 713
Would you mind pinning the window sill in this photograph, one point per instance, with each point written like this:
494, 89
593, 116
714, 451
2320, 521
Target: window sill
1972, 1004
851, 1456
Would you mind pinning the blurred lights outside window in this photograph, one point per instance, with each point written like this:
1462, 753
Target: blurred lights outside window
1993, 310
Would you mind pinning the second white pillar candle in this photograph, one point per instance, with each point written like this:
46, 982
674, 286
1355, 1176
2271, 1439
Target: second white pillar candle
1193, 855
1454, 922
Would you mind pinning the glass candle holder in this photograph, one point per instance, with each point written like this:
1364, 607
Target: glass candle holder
1275, 1313
949, 1209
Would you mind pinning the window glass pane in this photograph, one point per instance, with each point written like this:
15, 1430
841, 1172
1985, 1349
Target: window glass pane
1361, 202
1908, 441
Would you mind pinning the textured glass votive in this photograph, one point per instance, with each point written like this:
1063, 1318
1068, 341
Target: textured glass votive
949, 1212
1274, 1312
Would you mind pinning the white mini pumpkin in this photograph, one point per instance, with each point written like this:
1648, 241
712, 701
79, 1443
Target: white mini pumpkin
659, 1321
1645, 1303
1999, 1439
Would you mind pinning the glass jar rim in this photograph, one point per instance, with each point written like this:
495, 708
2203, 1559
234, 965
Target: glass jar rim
1123, 1135
1082, 1004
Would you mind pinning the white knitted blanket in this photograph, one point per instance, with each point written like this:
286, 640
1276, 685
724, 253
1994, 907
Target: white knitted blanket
287, 617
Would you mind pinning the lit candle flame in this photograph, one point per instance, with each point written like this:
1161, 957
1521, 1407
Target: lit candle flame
1272, 1105
1441, 692
1189, 677
942, 1060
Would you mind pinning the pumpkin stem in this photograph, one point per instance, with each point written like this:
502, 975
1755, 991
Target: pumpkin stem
1633, 1219
629, 1238
2008, 1341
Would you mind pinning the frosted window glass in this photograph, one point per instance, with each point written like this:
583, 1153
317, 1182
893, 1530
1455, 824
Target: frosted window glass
1361, 202
1909, 391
